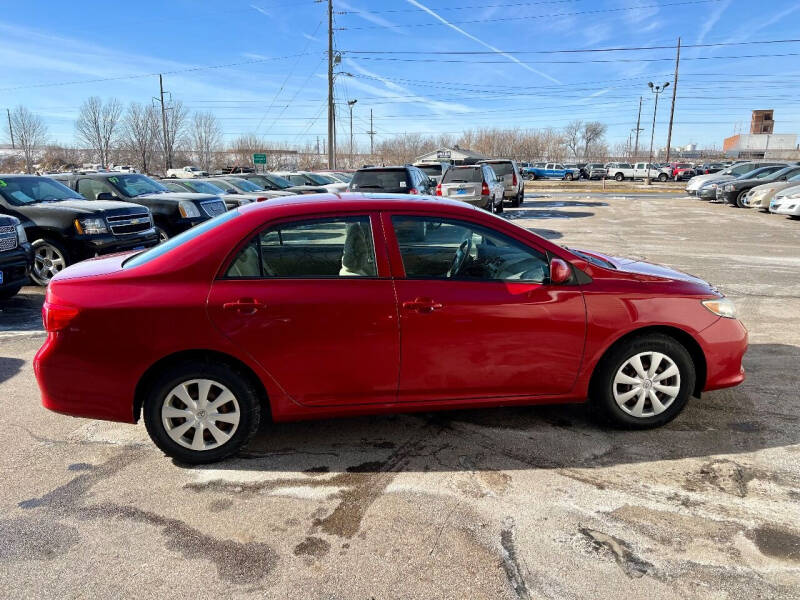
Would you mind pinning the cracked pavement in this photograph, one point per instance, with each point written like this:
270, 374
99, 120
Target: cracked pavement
522, 503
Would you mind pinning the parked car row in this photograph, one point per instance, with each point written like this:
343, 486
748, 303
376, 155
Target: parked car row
768, 186
619, 171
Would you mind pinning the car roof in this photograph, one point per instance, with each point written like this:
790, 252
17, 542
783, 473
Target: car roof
366, 201
384, 168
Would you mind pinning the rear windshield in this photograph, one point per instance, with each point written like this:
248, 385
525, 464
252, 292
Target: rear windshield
136, 185
502, 168
463, 175
431, 170
180, 239
245, 184
20, 191
381, 180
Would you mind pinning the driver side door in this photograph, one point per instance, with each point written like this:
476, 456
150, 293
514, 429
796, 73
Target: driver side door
489, 327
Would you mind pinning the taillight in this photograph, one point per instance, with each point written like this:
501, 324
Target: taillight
485, 189
514, 179
413, 191
57, 317
438, 189
261, 199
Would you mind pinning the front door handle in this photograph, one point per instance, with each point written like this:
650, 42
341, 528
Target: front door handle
422, 305
245, 306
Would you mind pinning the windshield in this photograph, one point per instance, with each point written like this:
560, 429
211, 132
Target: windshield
203, 187
786, 172
136, 185
759, 173
502, 168
278, 181
431, 170
180, 239
386, 180
245, 185
463, 175
345, 177
317, 179
21, 191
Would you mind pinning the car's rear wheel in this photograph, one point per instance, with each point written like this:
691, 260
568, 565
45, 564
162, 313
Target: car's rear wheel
516, 202
201, 412
49, 259
499, 206
662, 177
643, 382
569, 176
619, 177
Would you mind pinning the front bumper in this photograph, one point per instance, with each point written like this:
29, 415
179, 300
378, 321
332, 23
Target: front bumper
727, 197
789, 207
88, 246
724, 344
15, 266
707, 193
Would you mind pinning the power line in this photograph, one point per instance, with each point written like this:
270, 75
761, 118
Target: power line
572, 62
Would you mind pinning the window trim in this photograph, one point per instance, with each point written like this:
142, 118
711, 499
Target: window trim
370, 215
516, 242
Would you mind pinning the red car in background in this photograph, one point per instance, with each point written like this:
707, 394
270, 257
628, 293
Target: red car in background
330, 305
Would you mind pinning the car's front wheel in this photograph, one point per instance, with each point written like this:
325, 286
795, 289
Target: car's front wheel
740, 199
200, 412
49, 259
662, 177
569, 176
643, 382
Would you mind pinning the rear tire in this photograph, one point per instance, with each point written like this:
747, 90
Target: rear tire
236, 420
623, 398
499, 207
569, 177
517, 201
619, 177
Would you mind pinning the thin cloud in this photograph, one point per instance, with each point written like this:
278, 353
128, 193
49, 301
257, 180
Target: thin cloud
367, 16
712, 20
480, 41
259, 9
310, 37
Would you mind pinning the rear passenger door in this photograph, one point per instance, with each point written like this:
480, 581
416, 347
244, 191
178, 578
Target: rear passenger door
312, 303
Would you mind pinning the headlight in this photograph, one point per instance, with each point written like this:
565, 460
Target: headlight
722, 307
90, 226
188, 209
21, 235
729, 187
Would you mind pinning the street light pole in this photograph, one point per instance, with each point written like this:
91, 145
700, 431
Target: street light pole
351, 103
656, 89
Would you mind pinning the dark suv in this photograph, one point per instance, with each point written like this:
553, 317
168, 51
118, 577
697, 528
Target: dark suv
392, 180
173, 212
64, 227
276, 183
16, 257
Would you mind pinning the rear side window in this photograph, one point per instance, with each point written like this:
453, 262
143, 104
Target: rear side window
384, 180
340, 247
431, 170
463, 175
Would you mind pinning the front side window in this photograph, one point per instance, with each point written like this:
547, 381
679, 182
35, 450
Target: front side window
459, 250
339, 247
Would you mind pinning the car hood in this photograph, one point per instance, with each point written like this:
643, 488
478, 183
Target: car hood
713, 180
698, 180
793, 189
647, 271
82, 206
775, 186
178, 196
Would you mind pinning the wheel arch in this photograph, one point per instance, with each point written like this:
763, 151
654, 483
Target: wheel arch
197, 355
681, 336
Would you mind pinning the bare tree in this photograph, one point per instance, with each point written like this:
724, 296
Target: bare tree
97, 125
173, 137
572, 136
30, 132
592, 133
140, 129
206, 138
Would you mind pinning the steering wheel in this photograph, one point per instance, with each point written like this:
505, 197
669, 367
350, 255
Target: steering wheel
461, 256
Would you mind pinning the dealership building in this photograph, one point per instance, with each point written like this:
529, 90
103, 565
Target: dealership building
762, 142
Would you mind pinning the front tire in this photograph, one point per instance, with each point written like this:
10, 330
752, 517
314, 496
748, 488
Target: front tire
643, 382
662, 177
163, 236
201, 412
569, 177
740, 199
49, 259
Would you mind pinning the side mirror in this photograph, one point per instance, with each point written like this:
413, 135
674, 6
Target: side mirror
560, 271
105, 196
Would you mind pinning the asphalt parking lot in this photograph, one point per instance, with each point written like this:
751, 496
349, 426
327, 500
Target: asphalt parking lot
502, 503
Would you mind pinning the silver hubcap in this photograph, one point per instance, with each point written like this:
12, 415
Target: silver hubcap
200, 414
647, 384
47, 262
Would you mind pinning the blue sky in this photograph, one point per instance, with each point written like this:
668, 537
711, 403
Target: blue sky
275, 82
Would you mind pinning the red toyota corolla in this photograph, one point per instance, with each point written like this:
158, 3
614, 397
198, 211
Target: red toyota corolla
328, 306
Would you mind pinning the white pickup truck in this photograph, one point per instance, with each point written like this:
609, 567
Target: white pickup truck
186, 173
621, 171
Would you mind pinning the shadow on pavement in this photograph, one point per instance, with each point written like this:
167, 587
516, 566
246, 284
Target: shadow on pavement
9, 367
23, 312
762, 413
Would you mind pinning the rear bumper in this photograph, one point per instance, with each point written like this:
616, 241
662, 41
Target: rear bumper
724, 344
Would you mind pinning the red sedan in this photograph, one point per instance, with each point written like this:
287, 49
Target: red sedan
328, 306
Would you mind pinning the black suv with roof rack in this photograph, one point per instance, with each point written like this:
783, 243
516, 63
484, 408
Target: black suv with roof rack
16, 257
173, 212
405, 179
65, 228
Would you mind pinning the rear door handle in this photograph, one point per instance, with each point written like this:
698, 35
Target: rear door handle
246, 306
422, 305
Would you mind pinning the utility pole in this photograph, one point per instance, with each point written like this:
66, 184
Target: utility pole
656, 89
167, 157
674, 93
371, 133
10, 128
350, 104
638, 129
331, 110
